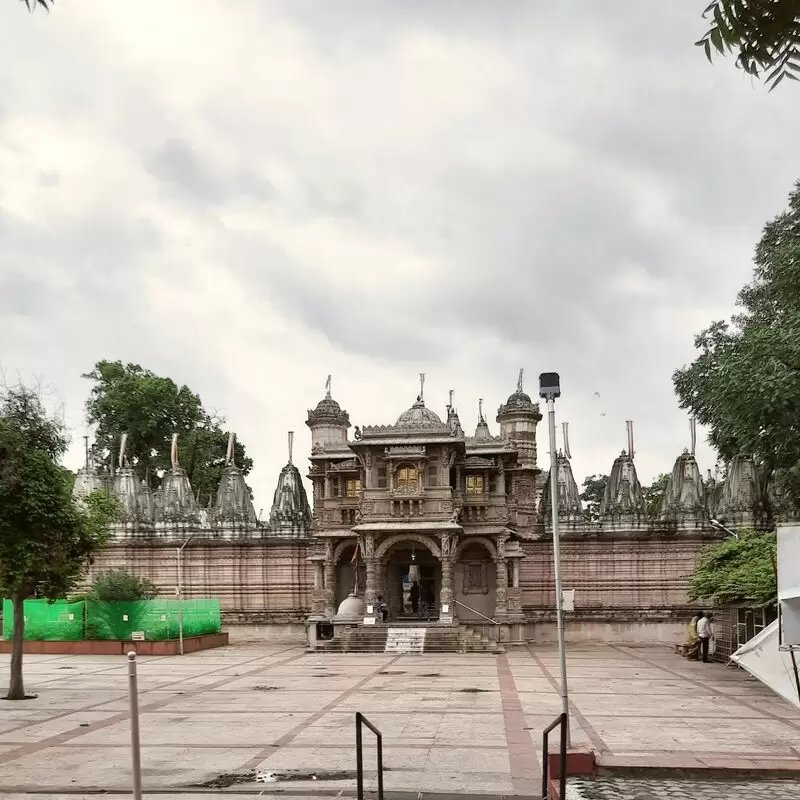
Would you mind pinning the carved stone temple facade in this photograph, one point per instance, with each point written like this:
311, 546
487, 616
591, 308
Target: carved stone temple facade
432, 524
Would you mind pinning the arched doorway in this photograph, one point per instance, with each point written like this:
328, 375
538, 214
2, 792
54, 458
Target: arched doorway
410, 579
476, 579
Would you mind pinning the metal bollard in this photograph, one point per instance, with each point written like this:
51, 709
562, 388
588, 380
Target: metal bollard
136, 758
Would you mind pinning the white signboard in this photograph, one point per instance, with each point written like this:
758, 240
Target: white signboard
137, 636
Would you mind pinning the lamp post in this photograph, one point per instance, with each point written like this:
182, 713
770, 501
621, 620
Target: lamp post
715, 523
549, 390
179, 590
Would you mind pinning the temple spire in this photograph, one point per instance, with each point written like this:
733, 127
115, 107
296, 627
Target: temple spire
123, 444
231, 445
86, 452
629, 426
693, 433
480, 410
174, 452
291, 445
565, 434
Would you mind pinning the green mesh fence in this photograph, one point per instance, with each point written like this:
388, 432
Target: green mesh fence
53, 622
153, 620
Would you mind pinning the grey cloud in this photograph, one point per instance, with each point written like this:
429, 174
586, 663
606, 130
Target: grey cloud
176, 163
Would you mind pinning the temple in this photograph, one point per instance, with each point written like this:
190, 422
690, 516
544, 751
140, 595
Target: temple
419, 523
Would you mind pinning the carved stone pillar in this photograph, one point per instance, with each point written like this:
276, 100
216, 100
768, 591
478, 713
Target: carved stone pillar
318, 596
327, 483
501, 479
370, 592
515, 573
501, 585
329, 582
446, 606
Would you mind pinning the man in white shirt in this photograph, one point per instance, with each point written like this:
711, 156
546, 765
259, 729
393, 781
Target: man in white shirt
704, 634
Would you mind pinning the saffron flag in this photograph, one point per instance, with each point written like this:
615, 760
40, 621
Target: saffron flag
355, 555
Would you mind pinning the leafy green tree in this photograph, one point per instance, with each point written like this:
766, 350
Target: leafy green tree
737, 570
126, 398
764, 33
594, 487
653, 495
121, 586
745, 383
46, 538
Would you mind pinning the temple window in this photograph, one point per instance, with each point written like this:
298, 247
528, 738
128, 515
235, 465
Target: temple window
475, 578
474, 484
353, 488
406, 478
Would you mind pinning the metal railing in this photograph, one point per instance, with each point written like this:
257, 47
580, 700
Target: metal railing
482, 616
561, 720
361, 721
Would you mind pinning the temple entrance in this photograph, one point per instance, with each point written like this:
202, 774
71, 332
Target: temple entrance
411, 583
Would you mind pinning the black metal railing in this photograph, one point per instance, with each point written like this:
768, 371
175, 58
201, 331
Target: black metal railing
561, 720
361, 721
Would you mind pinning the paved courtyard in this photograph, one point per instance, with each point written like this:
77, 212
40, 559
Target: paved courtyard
451, 723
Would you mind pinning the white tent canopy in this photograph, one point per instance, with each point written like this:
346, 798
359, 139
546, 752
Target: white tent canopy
773, 667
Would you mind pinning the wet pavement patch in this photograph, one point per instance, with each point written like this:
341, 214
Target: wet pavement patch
276, 776
431, 675
265, 688
390, 672
473, 690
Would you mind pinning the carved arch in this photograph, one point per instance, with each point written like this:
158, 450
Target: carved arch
341, 547
468, 540
390, 541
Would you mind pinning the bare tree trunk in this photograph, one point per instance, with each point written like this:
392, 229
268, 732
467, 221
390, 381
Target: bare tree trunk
16, 689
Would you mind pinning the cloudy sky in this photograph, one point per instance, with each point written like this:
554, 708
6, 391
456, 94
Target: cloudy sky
247, 196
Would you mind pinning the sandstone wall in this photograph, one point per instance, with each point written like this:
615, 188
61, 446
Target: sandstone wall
643, 578
264, 582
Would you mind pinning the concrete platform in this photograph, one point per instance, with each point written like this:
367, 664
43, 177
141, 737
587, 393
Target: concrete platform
452, 724
170, 647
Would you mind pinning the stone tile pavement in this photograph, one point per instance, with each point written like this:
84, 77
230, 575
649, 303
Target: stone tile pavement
613, 788
451, 723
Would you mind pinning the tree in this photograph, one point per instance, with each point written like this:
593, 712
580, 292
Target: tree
653, 495
46, 4
128, 399
737, 570
745, 383
121, 586
46, 538
594, 487
765, 33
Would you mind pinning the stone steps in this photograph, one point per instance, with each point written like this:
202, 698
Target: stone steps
408, 640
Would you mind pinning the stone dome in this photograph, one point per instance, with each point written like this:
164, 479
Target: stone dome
418, 416
351, 609
519, 398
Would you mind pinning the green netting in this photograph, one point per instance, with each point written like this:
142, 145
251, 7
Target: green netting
54, 622
155, 620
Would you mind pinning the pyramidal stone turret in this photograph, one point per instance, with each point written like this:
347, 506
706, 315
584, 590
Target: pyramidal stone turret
233, 514
740, 503
290, 515
177, 502
134, 507
622, 502
88, 479
570, 508
482, 430
685, 496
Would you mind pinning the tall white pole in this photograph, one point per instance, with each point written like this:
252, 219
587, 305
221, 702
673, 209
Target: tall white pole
551, 413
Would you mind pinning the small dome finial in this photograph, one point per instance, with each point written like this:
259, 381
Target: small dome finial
173, 452
291, 445
328, 387
519, 380
422, 387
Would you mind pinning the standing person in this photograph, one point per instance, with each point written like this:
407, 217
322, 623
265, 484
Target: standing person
704, 634
694, 642
382, 608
